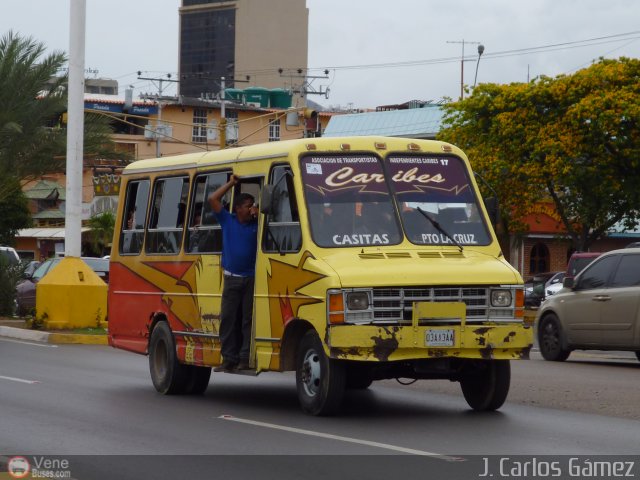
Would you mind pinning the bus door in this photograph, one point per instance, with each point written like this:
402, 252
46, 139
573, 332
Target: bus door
279, 252
253, 186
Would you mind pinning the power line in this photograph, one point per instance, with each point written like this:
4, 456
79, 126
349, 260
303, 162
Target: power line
621, 37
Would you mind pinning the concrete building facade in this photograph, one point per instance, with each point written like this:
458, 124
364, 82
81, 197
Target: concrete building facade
245, 40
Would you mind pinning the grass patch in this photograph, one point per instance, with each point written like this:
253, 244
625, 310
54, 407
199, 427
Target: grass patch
83, 331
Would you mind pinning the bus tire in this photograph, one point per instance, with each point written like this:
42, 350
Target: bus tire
358, 378
198, 379
167, 374
485, 386
320, 381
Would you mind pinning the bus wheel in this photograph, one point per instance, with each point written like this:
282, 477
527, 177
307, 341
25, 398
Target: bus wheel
358, 378
198, 379
167, 374
320, 381
485, 386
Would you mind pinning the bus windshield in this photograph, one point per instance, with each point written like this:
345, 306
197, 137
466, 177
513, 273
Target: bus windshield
440, 187
350, 204
348, 201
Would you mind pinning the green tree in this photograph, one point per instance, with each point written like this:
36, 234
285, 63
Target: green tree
14, 215
573, 139
30, 97
102, 227
32, 136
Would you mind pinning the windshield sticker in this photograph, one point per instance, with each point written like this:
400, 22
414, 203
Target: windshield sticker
338, 175
314, 169
440, 176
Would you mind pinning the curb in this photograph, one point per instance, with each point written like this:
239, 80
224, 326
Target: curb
47, 337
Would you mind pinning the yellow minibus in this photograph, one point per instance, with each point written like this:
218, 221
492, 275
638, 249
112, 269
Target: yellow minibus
376, 259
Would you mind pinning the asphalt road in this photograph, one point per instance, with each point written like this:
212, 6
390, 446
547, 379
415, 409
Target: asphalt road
93, 400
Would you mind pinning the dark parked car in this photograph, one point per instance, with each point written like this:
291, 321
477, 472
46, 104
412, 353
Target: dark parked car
536, 286
579, 260
26, 289
598, 309
30, 268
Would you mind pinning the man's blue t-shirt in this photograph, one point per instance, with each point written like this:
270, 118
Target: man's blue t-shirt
239, 244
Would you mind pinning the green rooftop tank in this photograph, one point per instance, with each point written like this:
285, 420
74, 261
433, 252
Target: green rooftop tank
233, 94
257, 95
280, 98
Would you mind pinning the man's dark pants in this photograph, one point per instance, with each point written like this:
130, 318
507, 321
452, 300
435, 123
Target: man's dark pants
235, 330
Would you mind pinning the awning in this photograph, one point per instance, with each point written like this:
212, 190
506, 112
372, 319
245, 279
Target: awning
51, 232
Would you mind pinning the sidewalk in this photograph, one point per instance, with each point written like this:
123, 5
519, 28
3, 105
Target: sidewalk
18, 329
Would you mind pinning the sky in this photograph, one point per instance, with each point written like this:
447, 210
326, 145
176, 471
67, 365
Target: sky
377, 52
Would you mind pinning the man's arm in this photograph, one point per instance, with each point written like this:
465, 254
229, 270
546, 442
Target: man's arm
215, 199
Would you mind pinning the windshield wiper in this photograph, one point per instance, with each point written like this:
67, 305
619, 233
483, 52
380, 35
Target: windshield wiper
439, 228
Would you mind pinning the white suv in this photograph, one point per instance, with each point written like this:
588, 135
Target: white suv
10, 255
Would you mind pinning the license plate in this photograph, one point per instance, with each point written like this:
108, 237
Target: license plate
440, 338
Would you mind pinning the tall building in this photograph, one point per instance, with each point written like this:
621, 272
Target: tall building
237, 39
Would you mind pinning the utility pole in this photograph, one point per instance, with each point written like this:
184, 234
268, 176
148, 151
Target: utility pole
159, 101
463, 42
305, 88
223, 118
75, 129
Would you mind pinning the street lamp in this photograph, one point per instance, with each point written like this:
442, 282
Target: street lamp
462, 60
480, 52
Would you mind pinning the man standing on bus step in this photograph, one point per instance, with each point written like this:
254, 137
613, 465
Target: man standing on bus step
239, 245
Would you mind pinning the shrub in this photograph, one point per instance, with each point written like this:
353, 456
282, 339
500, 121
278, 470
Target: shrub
9, 277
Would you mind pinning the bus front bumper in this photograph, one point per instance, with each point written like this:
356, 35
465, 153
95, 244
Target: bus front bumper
393, 343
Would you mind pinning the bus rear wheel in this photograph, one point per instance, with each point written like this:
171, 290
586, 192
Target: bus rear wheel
485, 385
320, 381
198, 379
167, 374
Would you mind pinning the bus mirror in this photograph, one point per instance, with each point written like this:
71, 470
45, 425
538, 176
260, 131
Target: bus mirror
266, 199
491, 204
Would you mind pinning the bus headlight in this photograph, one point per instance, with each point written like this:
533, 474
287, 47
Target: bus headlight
357, 301
500, 298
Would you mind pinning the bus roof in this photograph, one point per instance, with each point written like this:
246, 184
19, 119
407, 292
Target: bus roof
282, 148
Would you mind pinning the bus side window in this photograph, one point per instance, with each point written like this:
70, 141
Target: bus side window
204, 234
135, 215
167, 216
283, 223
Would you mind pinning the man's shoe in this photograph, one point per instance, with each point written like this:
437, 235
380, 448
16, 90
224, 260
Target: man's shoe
244, 365
227, 366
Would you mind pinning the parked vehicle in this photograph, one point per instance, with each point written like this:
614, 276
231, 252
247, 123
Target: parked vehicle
536, 287
10, 255
598, 309
554, 287
579, 260
30, 268
26, 289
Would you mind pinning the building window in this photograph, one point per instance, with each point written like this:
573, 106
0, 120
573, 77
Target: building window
199, 134
274, 130
539, 259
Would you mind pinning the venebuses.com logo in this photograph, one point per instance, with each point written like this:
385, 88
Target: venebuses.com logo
18, 467
38, 467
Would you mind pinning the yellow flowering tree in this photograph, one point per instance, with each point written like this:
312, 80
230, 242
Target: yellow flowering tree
574, 139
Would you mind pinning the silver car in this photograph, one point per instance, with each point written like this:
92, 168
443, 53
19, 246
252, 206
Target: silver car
597, 310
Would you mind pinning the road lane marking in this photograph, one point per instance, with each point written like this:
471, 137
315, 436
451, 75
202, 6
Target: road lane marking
340, 438
45, 345
20, 380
